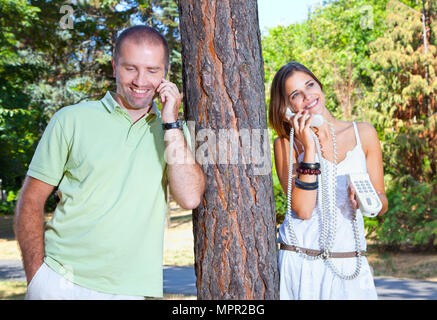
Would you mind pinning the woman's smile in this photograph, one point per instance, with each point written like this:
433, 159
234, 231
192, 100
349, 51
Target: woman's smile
312, 104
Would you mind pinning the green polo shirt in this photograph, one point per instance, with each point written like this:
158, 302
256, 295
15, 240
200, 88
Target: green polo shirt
107, 230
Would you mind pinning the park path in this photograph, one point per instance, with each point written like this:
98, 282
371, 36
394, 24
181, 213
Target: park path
182, 280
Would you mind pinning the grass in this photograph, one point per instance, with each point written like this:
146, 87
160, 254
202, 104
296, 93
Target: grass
12, 290
9, 250
407, 265
179, 239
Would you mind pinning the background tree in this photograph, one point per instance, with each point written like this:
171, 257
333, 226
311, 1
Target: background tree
234, 227
403, 95
19, 66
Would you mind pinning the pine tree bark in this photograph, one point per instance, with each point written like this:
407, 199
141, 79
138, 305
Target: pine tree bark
224, 95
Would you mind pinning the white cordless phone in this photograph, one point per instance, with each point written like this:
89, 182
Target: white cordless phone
368, 199
317, 120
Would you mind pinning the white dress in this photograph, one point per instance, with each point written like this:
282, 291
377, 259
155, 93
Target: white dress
313, 279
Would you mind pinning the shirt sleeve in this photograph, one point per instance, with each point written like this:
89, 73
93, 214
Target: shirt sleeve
49, 160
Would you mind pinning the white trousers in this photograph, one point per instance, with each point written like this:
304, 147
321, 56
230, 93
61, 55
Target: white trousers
47, 284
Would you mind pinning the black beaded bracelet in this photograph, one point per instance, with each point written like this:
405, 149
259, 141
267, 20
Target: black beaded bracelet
306, 185
306, 165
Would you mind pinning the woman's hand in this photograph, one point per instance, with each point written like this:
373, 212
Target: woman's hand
352, 196
302, 130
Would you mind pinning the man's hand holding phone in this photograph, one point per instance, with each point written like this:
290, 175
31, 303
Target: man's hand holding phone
171, 100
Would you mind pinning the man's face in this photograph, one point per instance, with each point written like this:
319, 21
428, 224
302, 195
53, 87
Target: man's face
138, 72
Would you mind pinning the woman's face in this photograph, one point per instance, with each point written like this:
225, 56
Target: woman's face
304, 93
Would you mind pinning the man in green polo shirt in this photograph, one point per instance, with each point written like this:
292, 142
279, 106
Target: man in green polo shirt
111, 161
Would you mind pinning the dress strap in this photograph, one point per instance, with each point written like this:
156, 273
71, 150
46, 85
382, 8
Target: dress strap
296, 148
357, 136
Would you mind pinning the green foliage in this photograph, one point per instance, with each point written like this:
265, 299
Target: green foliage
7, 207
334, 44
402, 94
280, 196
18, 136
404, 114
412, 219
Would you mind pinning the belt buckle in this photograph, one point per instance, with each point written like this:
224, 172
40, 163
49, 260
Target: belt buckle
324, 255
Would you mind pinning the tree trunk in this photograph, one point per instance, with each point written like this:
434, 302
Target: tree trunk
224, 100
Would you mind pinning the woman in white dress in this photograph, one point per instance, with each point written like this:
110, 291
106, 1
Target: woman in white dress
323, 231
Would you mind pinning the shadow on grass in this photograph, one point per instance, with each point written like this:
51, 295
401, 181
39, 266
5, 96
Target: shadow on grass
14, 297
12, 290
180, 220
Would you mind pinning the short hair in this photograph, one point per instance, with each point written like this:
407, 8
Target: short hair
138, 34
279, 98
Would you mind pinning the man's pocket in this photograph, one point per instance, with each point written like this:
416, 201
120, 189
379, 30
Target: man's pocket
32, 288
38, 271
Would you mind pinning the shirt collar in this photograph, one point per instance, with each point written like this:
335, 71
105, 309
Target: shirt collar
110, 104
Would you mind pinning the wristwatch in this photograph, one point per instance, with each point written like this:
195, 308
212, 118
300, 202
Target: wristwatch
172, 125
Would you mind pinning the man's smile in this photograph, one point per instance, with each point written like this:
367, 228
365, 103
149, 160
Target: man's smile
139, 92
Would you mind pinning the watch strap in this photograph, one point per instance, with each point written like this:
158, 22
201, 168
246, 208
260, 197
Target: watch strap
172, 125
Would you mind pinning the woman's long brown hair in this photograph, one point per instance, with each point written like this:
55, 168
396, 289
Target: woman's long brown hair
279, 98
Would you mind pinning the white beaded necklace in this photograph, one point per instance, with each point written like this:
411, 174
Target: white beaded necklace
328, 214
